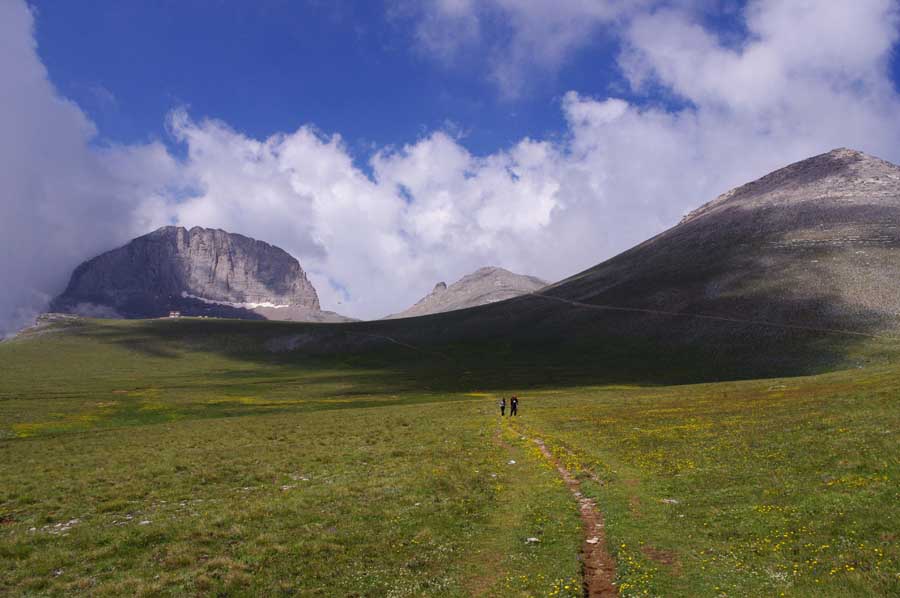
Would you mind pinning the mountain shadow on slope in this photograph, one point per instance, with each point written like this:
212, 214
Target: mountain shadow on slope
795, 273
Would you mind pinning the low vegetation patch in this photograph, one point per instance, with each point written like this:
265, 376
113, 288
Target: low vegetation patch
764, 488
141, 462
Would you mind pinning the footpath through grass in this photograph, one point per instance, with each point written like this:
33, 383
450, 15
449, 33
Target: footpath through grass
137, 460
195, 473
766, 488
392, 501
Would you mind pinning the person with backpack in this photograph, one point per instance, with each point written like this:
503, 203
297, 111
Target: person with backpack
514, 406
502, 406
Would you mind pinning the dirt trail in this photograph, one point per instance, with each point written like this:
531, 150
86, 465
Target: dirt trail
598, 566
680, 314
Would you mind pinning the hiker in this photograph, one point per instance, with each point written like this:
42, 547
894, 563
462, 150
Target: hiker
502, 406
514, 406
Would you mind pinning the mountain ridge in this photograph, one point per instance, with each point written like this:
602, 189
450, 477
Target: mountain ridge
790, 274
787, 273
821, 224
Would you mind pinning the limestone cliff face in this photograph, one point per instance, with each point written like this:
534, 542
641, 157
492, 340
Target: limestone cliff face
198, 271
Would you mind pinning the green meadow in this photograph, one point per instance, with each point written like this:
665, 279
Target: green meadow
185, 458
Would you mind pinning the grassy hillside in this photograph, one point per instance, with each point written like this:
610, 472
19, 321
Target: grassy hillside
206, 457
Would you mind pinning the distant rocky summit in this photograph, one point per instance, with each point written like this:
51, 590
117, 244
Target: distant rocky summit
795, 272
197, 272
485, 285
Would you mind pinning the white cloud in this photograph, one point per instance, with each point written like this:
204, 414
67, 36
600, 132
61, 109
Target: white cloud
434, 211
365, 242
806, 79
796, 52
515, 37
60, 199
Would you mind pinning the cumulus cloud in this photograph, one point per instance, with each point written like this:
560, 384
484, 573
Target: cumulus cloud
515, 36
796, 52
806, 78
62, 199
371, 245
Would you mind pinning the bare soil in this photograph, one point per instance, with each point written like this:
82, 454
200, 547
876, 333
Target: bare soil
663, 557
598, 566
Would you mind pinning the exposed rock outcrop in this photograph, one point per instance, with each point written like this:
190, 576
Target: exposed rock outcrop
196, 272
485, 285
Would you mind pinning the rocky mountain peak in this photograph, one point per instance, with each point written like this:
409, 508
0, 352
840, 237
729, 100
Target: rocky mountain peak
850, 174
485, 285
198, 271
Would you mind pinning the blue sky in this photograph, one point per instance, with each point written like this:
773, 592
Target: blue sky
269, 66
348, 67
392, 144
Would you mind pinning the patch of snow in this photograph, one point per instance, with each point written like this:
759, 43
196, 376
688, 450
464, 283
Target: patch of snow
186, 295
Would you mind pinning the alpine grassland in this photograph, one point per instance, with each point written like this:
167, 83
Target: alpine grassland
194, 457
